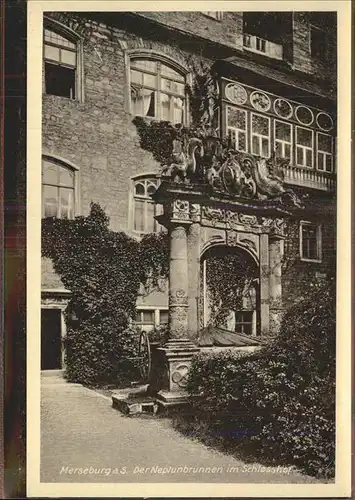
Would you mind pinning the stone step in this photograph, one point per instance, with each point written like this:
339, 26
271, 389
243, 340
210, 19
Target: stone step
52, 373
134, 405
137, 391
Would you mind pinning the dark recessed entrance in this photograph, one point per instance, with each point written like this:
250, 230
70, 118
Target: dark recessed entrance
51, 351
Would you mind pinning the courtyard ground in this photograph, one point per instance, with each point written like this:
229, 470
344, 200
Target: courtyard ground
83, 439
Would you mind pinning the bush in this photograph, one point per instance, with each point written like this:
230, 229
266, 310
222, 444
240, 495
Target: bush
101, 354
277, 403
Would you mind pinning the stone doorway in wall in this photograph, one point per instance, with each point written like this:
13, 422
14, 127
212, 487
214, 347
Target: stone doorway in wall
230, 290
51, 339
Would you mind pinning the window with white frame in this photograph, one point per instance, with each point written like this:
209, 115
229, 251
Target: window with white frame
157, 90
149, 318
324, 152
214, 14
260, 135
304, 147
58, 190
144, 208
60, 52
283, 139
145, 317
237, 127
244, 322
310, 241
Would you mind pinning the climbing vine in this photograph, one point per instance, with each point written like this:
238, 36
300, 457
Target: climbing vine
105, 271
229, 280
158, 137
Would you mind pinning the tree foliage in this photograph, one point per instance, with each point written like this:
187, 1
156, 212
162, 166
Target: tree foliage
104, 270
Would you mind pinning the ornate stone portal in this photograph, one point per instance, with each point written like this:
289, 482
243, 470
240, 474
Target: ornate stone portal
214, 195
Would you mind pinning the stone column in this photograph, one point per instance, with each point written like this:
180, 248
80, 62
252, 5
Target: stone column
275, 286
178, 282
175, 356
264, 284
193, 264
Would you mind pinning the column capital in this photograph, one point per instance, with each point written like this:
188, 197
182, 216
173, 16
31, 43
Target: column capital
178, 212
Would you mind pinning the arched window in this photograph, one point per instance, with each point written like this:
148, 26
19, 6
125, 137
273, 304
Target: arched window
58, 189
144, 208
61, 62
157, 90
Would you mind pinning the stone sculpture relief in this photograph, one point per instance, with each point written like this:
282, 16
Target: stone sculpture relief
206, 159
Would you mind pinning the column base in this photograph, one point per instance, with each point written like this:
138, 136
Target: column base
170, 367
167, 399
275, 320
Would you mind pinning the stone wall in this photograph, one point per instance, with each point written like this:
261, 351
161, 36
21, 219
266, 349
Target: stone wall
228, 31
302, 60
98, 135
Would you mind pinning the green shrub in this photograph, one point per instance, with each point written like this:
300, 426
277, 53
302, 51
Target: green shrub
277, 403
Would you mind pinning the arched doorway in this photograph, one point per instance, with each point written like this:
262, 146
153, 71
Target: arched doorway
230, 289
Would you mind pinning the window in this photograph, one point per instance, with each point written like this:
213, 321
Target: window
237, 127
283, 139
58, 190
310, 241
144, 208
319, 41
144, 317
157, 90
149, 318
265, 32
60, 64
244, 322
323, 33
324, 152
260, 135
214, 14
163, 317
304, 147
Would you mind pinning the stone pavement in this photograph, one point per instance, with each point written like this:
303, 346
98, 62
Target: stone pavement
83, 439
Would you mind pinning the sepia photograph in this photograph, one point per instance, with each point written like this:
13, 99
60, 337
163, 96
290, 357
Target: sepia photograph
187, 207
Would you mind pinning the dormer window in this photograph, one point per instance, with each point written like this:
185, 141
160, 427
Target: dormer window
264, 32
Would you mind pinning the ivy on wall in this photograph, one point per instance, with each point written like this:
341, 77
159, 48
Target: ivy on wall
157, 137
104, 270
229, 280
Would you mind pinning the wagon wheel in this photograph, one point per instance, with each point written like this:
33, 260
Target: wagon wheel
144, 356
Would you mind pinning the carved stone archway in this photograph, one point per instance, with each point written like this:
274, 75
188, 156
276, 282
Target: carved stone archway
211, 195
242, 277
194, 223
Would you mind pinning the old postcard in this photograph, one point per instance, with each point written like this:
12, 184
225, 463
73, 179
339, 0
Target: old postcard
188, 249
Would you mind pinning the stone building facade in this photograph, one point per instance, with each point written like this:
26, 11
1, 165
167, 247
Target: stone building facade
276, 75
